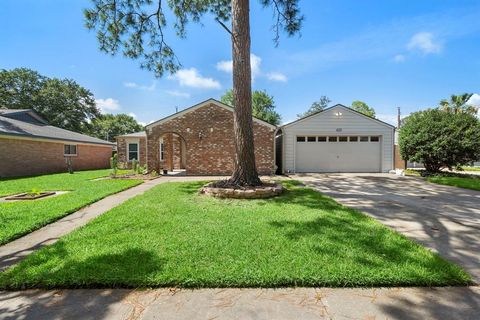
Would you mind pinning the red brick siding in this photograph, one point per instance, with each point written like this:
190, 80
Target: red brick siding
399, 162
122, 150
29, 157
210, 148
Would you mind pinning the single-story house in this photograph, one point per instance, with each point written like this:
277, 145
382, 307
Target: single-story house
337, 139
30, 146
198, 140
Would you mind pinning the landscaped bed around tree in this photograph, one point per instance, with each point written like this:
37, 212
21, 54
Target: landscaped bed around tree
174, 236
21, 217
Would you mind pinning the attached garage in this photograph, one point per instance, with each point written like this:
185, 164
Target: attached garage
337, 139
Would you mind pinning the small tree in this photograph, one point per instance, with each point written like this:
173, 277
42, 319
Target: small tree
316, 107
364, 108
109, 126
263, 106
440, 139
458, 104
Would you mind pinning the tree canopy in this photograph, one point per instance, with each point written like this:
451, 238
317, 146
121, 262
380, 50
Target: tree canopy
316, 107
108, 126
458, 104
62, 102
364, 108
440, 139
263, 106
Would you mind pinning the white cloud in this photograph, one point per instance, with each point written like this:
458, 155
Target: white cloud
141, 87
192, 78
474, 100
143, 124
399, 58
255, 62
425, 42
177, 93
131, 114
277, 76
107, 105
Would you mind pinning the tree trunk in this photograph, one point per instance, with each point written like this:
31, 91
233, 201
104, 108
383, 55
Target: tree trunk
245, 171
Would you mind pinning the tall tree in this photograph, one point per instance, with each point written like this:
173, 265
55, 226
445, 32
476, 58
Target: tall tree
364, 108
137, 28
263, 106
316, 107
62, 102
108, 126
458, 104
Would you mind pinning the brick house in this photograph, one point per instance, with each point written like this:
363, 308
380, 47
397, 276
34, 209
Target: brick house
198, 140
30, 146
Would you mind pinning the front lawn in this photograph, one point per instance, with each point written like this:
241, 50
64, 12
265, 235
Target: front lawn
20, 218
471, 168
470, 182
172, 236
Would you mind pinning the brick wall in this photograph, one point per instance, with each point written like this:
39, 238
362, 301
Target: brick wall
209, 138
122, 150
29, 157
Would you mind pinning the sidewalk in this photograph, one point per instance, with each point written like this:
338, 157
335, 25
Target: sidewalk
12, 252
300, 303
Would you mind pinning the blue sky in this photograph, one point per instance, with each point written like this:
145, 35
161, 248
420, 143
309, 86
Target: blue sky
395, 53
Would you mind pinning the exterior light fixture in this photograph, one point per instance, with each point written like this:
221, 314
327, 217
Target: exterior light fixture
338, 114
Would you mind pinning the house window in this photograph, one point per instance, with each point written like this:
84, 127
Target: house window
69, 150
311, 139
364, 139
343, 139
162, 150
132, 151
322, 139
332, 139
300, 139
374, 138
353, 139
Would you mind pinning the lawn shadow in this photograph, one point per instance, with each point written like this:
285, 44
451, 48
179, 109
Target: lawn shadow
54, 268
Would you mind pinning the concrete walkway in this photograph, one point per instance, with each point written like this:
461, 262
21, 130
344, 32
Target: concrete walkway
443, 218
299, 303
12, 252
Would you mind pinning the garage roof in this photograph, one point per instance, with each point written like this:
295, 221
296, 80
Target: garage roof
338, 106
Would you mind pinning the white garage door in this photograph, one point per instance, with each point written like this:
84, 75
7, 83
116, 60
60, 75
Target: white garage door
338, 153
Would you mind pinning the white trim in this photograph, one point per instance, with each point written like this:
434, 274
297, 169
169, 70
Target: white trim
35, 139
200, 105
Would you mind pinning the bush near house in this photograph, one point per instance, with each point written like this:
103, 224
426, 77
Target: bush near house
439, 139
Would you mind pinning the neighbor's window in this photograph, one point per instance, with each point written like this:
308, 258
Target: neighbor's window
132, 151
162, 150
343, 139
364, 139
374, 138
332, 139
311, 139
322, 139
70, 150
300, 139
353, 139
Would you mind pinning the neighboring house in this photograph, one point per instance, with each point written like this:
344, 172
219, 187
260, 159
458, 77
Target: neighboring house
30, 146
337, 139
199, 140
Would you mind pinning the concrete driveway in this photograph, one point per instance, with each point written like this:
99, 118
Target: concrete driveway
445, 219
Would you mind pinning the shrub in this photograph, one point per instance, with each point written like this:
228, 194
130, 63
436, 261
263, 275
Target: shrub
134, 165
114, 164
440, 139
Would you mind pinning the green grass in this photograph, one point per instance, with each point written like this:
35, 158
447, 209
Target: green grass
172, 236
471, 168
470, 182
20, 218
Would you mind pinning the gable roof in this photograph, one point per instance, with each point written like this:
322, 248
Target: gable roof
16, 126
200, 105
26, 115
338, 106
